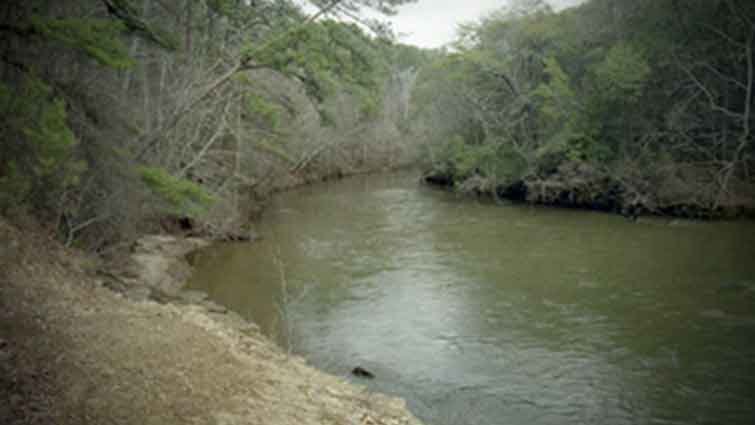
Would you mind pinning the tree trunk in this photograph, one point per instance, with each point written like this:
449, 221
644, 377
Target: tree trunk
189, 25
145, 77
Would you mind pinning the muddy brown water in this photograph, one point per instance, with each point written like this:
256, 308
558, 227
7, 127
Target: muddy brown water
480, 313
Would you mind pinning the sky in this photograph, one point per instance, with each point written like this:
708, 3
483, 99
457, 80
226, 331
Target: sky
432, 23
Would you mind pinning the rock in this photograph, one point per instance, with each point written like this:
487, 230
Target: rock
160, 261
138, 294
192, 297
115, 285
234, 237
130, 274
249, 236
162, 297
362, 373
213, 307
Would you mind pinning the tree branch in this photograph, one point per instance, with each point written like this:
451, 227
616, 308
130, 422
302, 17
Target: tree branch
244, 64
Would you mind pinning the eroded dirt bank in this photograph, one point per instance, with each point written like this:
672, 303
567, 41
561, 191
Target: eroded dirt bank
75, 351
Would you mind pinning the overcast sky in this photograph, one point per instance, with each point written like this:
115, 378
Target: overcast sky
432, 23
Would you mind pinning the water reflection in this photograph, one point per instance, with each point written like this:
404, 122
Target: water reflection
487, 314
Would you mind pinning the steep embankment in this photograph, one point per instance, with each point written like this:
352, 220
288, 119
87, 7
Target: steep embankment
73, 351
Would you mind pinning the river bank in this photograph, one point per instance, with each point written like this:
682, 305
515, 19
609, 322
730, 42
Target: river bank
604, 196
83, 342
260, 198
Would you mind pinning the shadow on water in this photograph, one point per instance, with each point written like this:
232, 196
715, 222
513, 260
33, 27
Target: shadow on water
485, 314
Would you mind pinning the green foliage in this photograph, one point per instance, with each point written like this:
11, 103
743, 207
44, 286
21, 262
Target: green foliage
221, 7
568, 132
128, 15
100, 39
324, 56
559, 99
370, 103
37, 157
586, 95
181, 196
454, 159
494, 163
404, 56
327, 119
123, 7
267, 112
623, 74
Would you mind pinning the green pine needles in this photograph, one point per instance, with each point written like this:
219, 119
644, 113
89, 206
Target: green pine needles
38, 159
98, 38
181, 196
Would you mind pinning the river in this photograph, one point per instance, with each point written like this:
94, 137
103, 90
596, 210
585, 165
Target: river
482, 313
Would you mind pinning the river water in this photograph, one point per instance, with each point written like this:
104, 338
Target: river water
481, 313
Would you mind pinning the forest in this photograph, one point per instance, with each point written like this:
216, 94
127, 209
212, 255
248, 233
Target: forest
629, 106
121, 116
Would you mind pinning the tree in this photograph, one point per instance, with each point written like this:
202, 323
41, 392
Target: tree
639, 105
187, 107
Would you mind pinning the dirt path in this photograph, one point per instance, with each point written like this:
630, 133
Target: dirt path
73, 351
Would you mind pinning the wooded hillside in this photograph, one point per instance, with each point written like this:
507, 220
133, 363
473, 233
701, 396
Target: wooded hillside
619, 105
119, 113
